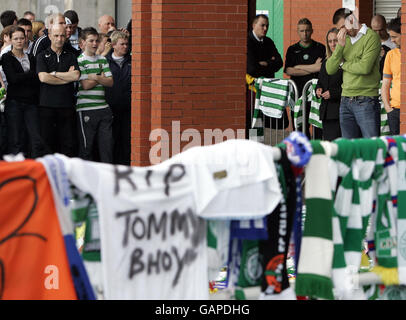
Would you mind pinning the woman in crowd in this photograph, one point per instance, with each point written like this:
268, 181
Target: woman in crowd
5, 46
38, 28
329, 90
5, 40
22, 96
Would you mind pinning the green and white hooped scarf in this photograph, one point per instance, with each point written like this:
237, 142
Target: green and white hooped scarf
356, 163
316, 255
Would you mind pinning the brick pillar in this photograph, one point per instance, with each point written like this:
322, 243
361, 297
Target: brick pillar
403, 73
189, 64
141, 81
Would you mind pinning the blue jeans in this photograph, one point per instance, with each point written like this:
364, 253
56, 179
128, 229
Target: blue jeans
360, 117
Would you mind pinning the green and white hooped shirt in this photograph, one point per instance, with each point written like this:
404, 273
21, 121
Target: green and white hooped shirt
94, 98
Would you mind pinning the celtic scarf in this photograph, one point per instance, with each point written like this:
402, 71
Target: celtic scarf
316, 255
386, 210
384, 116
275, 282
356, 161
314, 116
272, 97
401, 223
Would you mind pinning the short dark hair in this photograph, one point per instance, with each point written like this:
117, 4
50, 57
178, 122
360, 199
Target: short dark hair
305, 21
87, 32
7, 18
29, 12
15, 29
258, 16
395, 25
24, 22
72, 16
341, 13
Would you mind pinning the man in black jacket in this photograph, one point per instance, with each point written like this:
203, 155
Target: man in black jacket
57, 70
263, 57
303, 62
44, 42
119, 96
263, 60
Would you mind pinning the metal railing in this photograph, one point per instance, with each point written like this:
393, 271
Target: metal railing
292, 84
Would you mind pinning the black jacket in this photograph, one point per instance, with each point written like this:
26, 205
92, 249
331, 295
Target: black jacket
43, 43
262, 51
330, 108
22, 86
119, 95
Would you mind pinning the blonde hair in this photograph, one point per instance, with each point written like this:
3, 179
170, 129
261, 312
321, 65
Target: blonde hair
36, 27
116, 35
328, 50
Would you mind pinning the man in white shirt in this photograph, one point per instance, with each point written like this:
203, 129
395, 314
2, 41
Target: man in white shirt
378, 24
74, 19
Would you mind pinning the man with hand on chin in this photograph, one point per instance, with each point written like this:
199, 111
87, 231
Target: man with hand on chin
357, 54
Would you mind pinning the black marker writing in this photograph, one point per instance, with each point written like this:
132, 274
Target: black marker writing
15, 233
175, 173
123, 175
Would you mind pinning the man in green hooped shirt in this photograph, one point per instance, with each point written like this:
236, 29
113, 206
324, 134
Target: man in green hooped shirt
95, 117
357, 54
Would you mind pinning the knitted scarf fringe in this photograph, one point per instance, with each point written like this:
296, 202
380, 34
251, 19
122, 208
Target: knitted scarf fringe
314, 286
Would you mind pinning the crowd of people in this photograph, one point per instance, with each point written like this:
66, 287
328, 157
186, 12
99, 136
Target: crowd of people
352, 65
68, 89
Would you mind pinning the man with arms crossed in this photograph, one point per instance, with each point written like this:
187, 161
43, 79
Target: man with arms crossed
94, 114
57, 70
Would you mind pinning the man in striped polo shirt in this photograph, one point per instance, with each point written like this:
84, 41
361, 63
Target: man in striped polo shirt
94, 114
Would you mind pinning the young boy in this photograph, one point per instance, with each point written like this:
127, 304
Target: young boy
94, 114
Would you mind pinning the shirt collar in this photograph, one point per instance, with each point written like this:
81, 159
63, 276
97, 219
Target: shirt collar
360, 33
363, 29
255, 36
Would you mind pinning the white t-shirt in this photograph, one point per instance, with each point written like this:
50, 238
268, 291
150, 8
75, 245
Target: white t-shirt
389, 43
25, 62
153, 237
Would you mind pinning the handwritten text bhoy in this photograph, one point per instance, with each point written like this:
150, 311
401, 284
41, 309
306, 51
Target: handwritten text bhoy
158, 229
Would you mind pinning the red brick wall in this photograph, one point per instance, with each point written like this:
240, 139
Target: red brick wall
403, 73
141, 81
189, 63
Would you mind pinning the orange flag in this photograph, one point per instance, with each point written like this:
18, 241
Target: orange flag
33, 260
